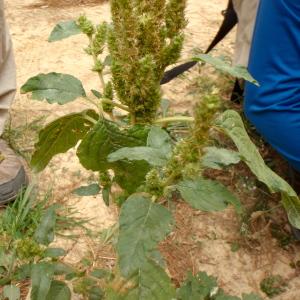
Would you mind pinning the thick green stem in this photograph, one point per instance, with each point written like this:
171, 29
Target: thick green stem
175, 119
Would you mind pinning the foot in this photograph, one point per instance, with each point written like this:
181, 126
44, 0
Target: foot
12, 174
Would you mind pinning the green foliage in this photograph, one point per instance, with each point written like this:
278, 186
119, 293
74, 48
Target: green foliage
233, 126
41, 277
204, 287
52, 139
58, 291
199, 287
89, 190
105, 138
273, 286
46, 230
142, 225
207, 195
64, 30
218, 158
221, 65
54, 87
156, 153
11, 292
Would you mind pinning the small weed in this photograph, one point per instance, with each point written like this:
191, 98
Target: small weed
273, 286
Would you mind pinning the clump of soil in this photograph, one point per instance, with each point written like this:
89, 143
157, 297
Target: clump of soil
67, 3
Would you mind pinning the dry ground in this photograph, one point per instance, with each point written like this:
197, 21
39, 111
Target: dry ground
201, 241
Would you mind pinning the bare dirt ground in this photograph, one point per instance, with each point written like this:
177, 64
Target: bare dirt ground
201, 242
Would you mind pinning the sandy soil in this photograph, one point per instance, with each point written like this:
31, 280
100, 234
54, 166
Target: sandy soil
211, 235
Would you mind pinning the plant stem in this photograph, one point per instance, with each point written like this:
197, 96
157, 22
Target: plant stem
95, 58
90, 119
121, 106
175, 119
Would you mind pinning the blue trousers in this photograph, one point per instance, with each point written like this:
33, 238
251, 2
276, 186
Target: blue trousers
274, 107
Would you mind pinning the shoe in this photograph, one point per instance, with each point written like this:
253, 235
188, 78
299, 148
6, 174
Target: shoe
294, 180
12, 174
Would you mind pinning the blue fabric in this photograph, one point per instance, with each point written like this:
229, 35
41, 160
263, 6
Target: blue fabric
274, 107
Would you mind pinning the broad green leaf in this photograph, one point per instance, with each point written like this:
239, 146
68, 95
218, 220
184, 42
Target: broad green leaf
41, 278
198, 287
207, 195
54, 252
64, 30
152, 156
105, 138
58, 291
251, 297
223, 66
231, 122
46, 230
89, 190
157, 152
218, 158
152, 282
142, 225
59, 136
11, 292
54, 87
160, 140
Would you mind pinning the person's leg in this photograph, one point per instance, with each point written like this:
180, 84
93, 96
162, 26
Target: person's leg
7, 70
246, 11
274, 106
12, 174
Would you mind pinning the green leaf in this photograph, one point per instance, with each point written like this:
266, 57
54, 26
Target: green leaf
223, 66
160, 140
231, 122
62, 269
89, 190
153, 156
41, 278
97, 94
46, 230
96, 293
58, 291
23, 272
251, 297
11, 292
64, 30
217, 158
207, 195
198, 287
106, 195
105, 138
60, 136
54, 87
101, 273
152, 283
54, 252
142, 225
157, 152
